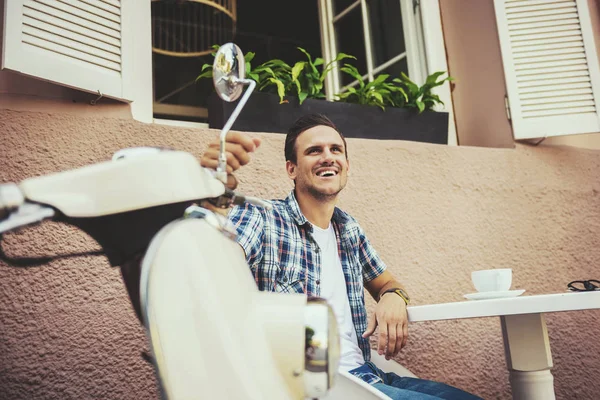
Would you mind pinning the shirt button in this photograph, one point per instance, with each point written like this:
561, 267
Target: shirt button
318, 282
285, 279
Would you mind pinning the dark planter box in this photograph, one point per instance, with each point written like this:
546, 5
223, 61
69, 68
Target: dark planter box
263, 113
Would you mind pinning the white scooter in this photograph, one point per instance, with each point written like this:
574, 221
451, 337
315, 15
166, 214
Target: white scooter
212, 334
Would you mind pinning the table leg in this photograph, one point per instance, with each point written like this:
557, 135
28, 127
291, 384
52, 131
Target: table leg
528, 357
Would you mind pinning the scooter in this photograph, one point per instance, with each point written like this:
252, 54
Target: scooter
212, 334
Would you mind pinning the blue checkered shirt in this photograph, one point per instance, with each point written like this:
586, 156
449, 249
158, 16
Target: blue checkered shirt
284, 257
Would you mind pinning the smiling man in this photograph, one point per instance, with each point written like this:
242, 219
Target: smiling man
306, 244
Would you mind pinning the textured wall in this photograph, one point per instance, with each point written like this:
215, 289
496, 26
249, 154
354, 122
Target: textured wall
434, 212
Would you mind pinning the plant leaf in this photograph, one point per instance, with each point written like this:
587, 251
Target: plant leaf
302, 96
402, 92
280, 88
298, 86
431, 79
331, 64
298, 67
306, 53
206, 72
353, 72
377, 96
377, 81
310, 62
270, 71
215, 48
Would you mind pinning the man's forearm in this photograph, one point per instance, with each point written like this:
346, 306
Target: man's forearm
393, 284
380, 284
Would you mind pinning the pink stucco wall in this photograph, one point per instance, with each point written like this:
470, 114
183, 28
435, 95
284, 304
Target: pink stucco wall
434, 212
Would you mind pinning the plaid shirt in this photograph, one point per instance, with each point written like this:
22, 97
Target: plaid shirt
284, 257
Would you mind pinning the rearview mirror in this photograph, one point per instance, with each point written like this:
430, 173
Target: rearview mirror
229, 71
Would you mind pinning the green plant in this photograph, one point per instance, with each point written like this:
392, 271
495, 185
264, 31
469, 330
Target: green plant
304, 78
308, 80
272, 76
378, 93
399, 92
416, 96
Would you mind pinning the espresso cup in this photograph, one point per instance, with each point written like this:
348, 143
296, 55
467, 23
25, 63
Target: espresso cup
492, 280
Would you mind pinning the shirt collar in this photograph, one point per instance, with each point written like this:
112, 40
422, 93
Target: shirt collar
339, 216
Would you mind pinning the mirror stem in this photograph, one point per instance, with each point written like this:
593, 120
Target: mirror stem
222, 166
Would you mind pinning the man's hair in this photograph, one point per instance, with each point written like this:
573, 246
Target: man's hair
302, 124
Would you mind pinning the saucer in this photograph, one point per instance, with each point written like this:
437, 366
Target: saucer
494, 295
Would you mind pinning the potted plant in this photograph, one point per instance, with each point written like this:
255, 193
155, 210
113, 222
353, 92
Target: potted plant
382, 109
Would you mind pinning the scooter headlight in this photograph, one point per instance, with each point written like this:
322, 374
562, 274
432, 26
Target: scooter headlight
322, 347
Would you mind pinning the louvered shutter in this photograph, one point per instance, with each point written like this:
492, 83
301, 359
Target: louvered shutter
76, 43
551, 67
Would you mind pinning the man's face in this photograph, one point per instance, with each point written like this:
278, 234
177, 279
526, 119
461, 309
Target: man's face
321, 168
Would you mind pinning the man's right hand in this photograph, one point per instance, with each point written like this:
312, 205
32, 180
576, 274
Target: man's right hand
238, 147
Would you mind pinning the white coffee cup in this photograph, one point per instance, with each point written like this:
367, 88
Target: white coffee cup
492, 280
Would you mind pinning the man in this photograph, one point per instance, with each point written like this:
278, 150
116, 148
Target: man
305, 244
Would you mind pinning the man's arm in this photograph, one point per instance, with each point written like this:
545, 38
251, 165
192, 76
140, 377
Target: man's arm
249, 225
390, 315
383, 282
238, 147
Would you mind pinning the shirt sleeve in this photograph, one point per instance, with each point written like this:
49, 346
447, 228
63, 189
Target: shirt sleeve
372, 264
249, 224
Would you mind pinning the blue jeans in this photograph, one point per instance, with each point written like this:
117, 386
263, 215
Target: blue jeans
405, 388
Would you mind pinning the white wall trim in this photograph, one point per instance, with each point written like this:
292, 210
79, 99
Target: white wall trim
435, 51
181, 124
137, 58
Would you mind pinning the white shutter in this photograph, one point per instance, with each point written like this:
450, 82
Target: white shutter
76, 43
550, 65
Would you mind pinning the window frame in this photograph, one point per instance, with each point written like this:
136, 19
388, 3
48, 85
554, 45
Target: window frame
413, 34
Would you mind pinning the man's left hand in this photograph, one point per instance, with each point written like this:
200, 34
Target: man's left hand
392, 318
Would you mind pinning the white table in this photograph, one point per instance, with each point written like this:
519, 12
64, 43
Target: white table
526, 343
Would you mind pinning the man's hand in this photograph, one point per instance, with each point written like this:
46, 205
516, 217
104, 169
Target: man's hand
392, 318
238, 147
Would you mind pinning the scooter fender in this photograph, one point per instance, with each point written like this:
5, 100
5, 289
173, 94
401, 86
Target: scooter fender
205, 322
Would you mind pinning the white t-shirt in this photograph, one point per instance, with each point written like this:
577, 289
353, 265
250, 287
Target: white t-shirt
333, 289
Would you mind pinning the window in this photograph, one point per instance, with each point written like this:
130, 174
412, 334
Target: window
551, 67
184, 31
183, 34
384, 35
